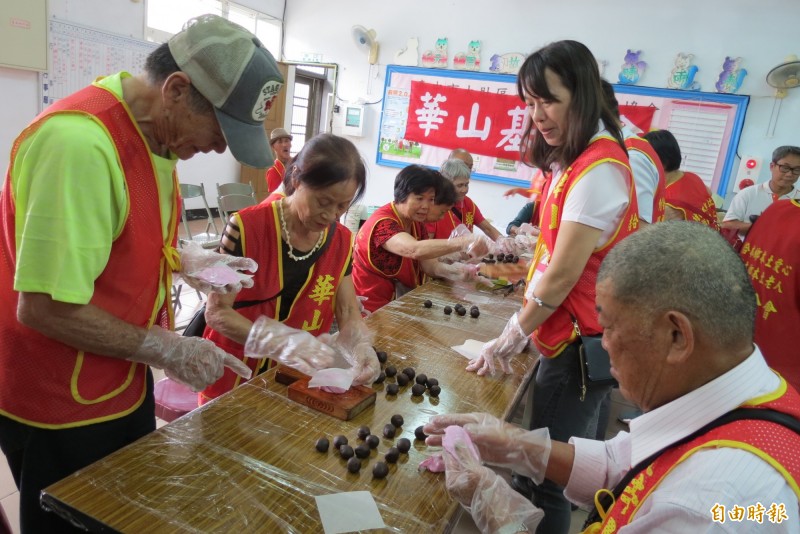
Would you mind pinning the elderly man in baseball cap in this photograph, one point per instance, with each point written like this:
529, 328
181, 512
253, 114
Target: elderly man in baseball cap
281, 142
89, 227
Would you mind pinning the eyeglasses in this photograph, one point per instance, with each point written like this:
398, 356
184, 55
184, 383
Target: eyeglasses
785, 168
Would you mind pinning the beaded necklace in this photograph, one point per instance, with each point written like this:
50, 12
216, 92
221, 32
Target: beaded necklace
288, 240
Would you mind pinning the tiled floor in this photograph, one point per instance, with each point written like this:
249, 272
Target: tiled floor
189, 303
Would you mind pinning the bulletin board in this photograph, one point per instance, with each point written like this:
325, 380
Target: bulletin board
79, 54
483, 114
23, 34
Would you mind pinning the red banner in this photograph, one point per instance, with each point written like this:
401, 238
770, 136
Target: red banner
641, 116
482, 122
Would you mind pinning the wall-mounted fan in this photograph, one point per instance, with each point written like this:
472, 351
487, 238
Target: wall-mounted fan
782, 77
366, 40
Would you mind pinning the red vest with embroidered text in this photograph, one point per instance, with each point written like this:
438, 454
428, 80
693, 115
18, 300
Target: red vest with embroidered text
659, 201
43, 382
688, 194
772, 442
555, 333
313, 307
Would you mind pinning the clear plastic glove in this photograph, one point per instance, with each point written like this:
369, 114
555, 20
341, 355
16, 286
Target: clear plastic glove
364, 312
528, 229
355, 344
500, 350
493, 504
499, 443
458, 271
505, 245
194, 258
474, 245
290, 346
193, 361
525, 243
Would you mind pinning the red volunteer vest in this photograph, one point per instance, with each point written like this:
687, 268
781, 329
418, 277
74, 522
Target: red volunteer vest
45, 383
442, 228
370, 280
772, 256
557, 331
274, 175
313, 307
688, 194
772, 442
272, 197
643, 146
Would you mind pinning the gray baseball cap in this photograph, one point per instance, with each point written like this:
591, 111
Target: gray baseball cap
231, 68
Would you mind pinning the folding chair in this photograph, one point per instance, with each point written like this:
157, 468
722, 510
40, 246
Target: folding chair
206, 239
228, 204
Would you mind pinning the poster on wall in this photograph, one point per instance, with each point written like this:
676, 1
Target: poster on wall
429, 112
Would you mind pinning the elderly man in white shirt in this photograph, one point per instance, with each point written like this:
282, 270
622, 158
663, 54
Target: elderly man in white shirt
753, 200
677, 309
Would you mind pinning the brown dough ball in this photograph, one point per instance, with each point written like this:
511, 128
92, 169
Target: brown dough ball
392, 389
421, 378
322, 444
434, 391
409, 372
373, 441
390, 370
403, 445
338, 441
417, 390
448, 310
346, 451
427, 304
420, 435
388, 431
402, 379
380, 470
474, 312
392, 455
432, 382
363, 432
382, 357
362, 451
354, 465
397, 420
381, 378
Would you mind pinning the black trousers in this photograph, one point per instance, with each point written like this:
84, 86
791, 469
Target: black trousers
39, 457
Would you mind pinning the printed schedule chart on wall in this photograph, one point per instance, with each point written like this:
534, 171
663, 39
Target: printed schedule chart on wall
79, 54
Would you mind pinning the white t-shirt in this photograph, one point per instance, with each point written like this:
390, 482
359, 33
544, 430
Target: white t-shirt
754, 200
645, 176
599, 198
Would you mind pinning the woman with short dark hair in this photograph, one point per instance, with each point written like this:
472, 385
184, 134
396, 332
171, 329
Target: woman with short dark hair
392, 253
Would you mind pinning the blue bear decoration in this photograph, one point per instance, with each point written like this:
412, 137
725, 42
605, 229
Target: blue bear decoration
632, 69
731, 77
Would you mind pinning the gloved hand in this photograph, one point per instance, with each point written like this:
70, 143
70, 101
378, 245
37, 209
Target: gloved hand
493, 504
355, 344
290, 346
194, 258
474, 245
193, 361
457, 272
364, 312
528, 229
500, 350
499, 443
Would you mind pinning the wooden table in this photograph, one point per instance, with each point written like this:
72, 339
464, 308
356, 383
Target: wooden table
247, 463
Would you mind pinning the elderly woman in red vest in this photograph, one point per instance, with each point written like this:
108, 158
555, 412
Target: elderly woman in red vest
392, 253
303, 282
589, 205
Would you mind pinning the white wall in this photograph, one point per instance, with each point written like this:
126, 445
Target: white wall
20, 89
710, 29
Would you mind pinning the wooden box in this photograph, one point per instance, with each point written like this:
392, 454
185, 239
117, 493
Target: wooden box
343, 406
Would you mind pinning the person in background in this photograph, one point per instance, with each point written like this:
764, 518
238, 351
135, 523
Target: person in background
525, 215
771, 253
304, 280
647, 168
465, 210
677, 308
751, 201
687, 196
590, 197
89, 213
442, 205
281, 142
392, 253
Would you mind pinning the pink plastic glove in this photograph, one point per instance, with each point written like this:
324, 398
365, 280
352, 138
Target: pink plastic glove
195, 258
493, 504
290, 346
500, 350
193, 361
355, 345
499, 443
